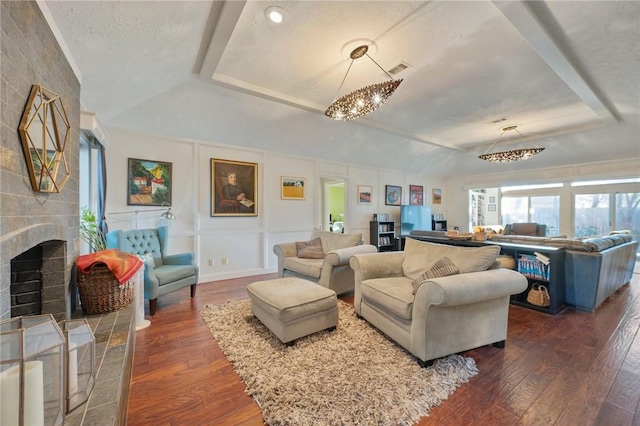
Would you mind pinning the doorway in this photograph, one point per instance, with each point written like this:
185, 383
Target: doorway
334, 213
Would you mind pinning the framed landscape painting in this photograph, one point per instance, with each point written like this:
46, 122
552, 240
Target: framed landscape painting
393, 195
416, 195
234, 188
148, 182
364, 194
292, 188
437, 196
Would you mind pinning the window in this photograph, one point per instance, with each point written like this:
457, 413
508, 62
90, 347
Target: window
546, 210
592, 216
514, 210
627, 215
540, 209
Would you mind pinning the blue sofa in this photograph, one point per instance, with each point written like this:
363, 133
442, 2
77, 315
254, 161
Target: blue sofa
592, 276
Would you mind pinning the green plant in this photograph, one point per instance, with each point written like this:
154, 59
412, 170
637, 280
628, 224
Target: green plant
89, 231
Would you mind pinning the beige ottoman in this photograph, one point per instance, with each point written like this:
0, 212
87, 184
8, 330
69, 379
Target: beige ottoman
292, 307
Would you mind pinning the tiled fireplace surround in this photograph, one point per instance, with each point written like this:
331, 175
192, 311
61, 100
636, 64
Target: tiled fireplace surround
31, 55
56, 272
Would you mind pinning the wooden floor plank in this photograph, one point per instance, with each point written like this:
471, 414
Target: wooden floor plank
571, 368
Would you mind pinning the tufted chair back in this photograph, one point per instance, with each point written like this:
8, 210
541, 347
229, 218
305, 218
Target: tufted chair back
144, 241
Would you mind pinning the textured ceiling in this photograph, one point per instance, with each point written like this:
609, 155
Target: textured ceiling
567, 73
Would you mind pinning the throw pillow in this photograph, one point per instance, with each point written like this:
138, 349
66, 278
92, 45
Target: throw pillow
310, 249
442, 268
147, 258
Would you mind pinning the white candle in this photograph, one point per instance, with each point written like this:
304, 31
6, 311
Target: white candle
73, 373
33, 394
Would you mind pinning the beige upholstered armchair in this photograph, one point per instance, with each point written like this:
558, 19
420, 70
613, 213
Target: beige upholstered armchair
449, 312
323, 259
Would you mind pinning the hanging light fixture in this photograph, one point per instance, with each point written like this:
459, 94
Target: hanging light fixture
362, 101
512, 155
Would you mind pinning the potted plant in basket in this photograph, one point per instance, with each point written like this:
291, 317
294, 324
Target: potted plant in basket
100, 289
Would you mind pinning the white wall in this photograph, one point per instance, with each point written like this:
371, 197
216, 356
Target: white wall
246, 242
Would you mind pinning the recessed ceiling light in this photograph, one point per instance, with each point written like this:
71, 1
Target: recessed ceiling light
275, 14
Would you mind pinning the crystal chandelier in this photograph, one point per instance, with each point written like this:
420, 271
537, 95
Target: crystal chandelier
362, 101
511, 155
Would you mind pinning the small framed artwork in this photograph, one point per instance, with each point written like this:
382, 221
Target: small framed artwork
234, 188
364, 194
416, 195
436, 197
292, 188
148, 182
393, 195
491, 207
492, 199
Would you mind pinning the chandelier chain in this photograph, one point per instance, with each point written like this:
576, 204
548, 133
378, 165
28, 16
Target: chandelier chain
343, 80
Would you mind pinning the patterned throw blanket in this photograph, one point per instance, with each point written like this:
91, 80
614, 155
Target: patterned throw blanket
122, 265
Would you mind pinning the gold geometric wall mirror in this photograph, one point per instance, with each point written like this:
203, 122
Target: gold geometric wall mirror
46, 134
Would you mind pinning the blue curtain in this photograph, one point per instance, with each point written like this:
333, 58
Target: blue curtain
102, 190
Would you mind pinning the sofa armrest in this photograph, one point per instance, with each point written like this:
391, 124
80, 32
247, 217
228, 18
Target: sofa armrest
373, 265
343, 256
458, 299
283, 251
469, 288
178, 259
377, 265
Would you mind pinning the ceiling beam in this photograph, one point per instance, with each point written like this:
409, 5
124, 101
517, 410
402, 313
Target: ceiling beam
227, 21
536, 24
229, 17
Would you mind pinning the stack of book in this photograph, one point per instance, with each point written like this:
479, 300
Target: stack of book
534, 266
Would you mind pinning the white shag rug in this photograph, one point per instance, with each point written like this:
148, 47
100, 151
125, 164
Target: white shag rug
350, 376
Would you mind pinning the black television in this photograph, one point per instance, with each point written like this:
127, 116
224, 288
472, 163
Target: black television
415, 218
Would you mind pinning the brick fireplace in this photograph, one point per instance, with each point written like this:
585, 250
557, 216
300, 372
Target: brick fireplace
44, 221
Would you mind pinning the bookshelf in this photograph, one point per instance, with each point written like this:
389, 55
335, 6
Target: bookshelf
540, 265
383, 235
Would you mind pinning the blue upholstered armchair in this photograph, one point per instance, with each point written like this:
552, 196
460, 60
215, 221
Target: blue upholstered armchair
165, 273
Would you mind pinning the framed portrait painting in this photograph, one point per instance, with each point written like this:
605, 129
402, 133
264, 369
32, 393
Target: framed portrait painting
234, 188
292, 188
364, 194
416, 195
148, 182
393, 195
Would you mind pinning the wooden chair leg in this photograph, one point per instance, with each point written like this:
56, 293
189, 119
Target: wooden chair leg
193, 290
153, 305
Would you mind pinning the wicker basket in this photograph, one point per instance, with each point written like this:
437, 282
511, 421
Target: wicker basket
101, 293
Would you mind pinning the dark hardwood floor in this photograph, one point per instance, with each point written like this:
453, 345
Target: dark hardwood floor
573, 368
